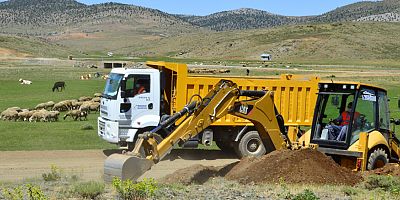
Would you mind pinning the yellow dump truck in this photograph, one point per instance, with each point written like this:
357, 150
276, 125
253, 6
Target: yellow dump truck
137, 100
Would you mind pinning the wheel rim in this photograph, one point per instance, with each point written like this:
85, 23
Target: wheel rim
379, 164
253, 145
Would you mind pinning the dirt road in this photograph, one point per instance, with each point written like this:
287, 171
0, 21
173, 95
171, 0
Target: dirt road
88, 164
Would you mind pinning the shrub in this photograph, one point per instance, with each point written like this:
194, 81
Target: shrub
387, 183
350, 191
305, 195
89, 190
87, 127
18, 193
35, 193
128, 190
54, 175
13, 193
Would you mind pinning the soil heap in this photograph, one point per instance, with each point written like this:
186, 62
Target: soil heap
392, 169
197, 174
299, 167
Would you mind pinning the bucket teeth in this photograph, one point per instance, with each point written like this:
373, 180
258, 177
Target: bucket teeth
125, 167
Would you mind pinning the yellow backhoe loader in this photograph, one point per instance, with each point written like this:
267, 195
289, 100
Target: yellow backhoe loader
365, 142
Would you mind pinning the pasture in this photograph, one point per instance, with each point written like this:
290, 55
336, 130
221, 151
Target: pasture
45, 135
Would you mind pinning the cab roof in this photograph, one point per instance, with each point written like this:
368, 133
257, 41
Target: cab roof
358, 84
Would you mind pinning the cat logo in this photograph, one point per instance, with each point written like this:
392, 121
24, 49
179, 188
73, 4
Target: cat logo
243, 109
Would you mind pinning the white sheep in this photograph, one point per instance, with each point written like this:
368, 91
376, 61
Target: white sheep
9, 114
39, 115
60, 106
25, 115
49, 104
25, 82
40, 106
84, 98
75, 114
52, 116
96, 99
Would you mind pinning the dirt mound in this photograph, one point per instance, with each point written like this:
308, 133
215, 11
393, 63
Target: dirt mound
301, 167
392, 169
197, 174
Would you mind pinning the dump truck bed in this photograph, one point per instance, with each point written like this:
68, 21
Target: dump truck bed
294, 96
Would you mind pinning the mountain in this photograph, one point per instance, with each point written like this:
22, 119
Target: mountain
48, 16
244, 18
362, 11
387, 11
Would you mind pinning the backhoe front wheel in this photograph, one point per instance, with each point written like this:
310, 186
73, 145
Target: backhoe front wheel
377, 159
250, 145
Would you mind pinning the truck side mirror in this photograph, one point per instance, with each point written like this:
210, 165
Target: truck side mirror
123, 88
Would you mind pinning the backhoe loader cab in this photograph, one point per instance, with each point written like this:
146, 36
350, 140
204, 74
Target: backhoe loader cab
342, 112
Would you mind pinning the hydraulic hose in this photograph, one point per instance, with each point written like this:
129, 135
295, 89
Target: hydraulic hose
176, 116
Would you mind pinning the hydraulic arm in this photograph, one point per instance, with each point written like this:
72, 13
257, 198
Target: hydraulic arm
223, 99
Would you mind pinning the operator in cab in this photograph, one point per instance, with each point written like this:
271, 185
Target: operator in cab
338, 127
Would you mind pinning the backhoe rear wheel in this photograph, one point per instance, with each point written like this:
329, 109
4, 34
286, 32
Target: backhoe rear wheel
250, 145
377, 159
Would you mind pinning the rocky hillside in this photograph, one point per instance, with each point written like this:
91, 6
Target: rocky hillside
38, 17
241, 19
46, 16
362, 11
387, 11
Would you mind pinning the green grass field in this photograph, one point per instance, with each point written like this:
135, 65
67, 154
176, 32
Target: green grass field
47, 136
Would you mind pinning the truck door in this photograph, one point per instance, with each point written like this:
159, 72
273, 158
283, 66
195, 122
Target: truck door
142, 100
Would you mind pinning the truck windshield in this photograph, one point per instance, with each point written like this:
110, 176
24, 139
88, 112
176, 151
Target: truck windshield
112, 85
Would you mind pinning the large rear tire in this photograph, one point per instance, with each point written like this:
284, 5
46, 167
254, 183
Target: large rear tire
250, 145
377, 159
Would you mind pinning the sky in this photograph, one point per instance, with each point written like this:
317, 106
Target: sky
205, 7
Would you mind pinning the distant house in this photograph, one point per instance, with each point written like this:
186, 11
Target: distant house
110, 64
266, 57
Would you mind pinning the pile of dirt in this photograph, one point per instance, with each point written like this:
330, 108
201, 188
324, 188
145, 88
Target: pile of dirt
300, 167
197, 174
392, 169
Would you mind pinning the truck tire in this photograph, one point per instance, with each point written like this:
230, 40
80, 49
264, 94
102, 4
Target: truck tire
224, 146
250, 145
377, 159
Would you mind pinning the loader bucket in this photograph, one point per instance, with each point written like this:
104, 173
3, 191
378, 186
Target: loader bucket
125, 167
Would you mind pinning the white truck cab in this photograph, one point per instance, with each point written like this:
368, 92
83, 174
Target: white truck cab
130, 102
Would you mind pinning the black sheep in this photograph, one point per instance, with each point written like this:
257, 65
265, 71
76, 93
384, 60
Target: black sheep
60, 85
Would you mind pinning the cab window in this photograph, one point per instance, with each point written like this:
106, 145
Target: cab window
384, 120
137, 84
366, 109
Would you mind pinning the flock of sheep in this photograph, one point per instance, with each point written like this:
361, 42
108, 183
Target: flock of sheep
50, 111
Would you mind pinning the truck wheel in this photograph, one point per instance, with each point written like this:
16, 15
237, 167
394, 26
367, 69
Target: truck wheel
224, 146
250, 145
377, 159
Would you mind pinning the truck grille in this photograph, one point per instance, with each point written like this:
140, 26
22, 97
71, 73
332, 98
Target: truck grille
123, 132
102, 127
